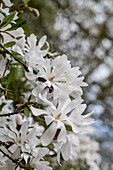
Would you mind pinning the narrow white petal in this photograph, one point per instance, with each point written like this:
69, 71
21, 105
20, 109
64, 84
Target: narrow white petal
44, 98
32, 40
38, 90
42, 41
66, 150
41, 153
37, 112
88, 115
49, 134
62, 135
13, 148
23, 130
48, 119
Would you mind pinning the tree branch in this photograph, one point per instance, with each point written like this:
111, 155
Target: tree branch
16, 112
15, 161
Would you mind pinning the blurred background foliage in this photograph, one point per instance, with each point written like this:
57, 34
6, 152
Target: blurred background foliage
84, 30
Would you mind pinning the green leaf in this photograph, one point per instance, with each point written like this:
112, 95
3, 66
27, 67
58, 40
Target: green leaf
26, 111
15, 94
10, 77
15, 64
7, 20
26, 1
68, 127
50, 47
9, 44
14, 55
18, 105
14, 27
17, 58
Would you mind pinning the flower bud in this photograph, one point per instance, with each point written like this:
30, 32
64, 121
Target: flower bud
18, 119
35, 12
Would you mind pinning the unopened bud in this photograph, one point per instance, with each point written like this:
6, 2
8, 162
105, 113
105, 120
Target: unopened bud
35, 12
18, 119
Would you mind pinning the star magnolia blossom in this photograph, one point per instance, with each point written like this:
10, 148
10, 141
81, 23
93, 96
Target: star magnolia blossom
19, 139
58, 77
63, 113
36, 160
34, 54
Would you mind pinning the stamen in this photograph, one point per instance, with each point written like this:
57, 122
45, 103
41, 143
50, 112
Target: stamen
51, 78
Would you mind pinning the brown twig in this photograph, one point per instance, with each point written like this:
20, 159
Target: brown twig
15, 161
16, 112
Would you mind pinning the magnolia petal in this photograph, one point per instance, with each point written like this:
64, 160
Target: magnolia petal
65, 150
32, 40
30, 76
62, 135
38, 90
37, 112
56, 91
44, 98
42, 41
31, 134
23, 130
70, 105
58, 158
41, 153
49, 134
88, 115
48, 119
13, 148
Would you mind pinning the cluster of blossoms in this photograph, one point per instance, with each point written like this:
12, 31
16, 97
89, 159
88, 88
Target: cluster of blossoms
25, 143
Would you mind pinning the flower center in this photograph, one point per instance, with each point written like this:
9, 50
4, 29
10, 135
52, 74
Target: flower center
51, 78
58, 116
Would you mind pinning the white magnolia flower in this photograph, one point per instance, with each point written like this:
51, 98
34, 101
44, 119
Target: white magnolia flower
23, 139
60, 114
34, 53
58, 77
36, 160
